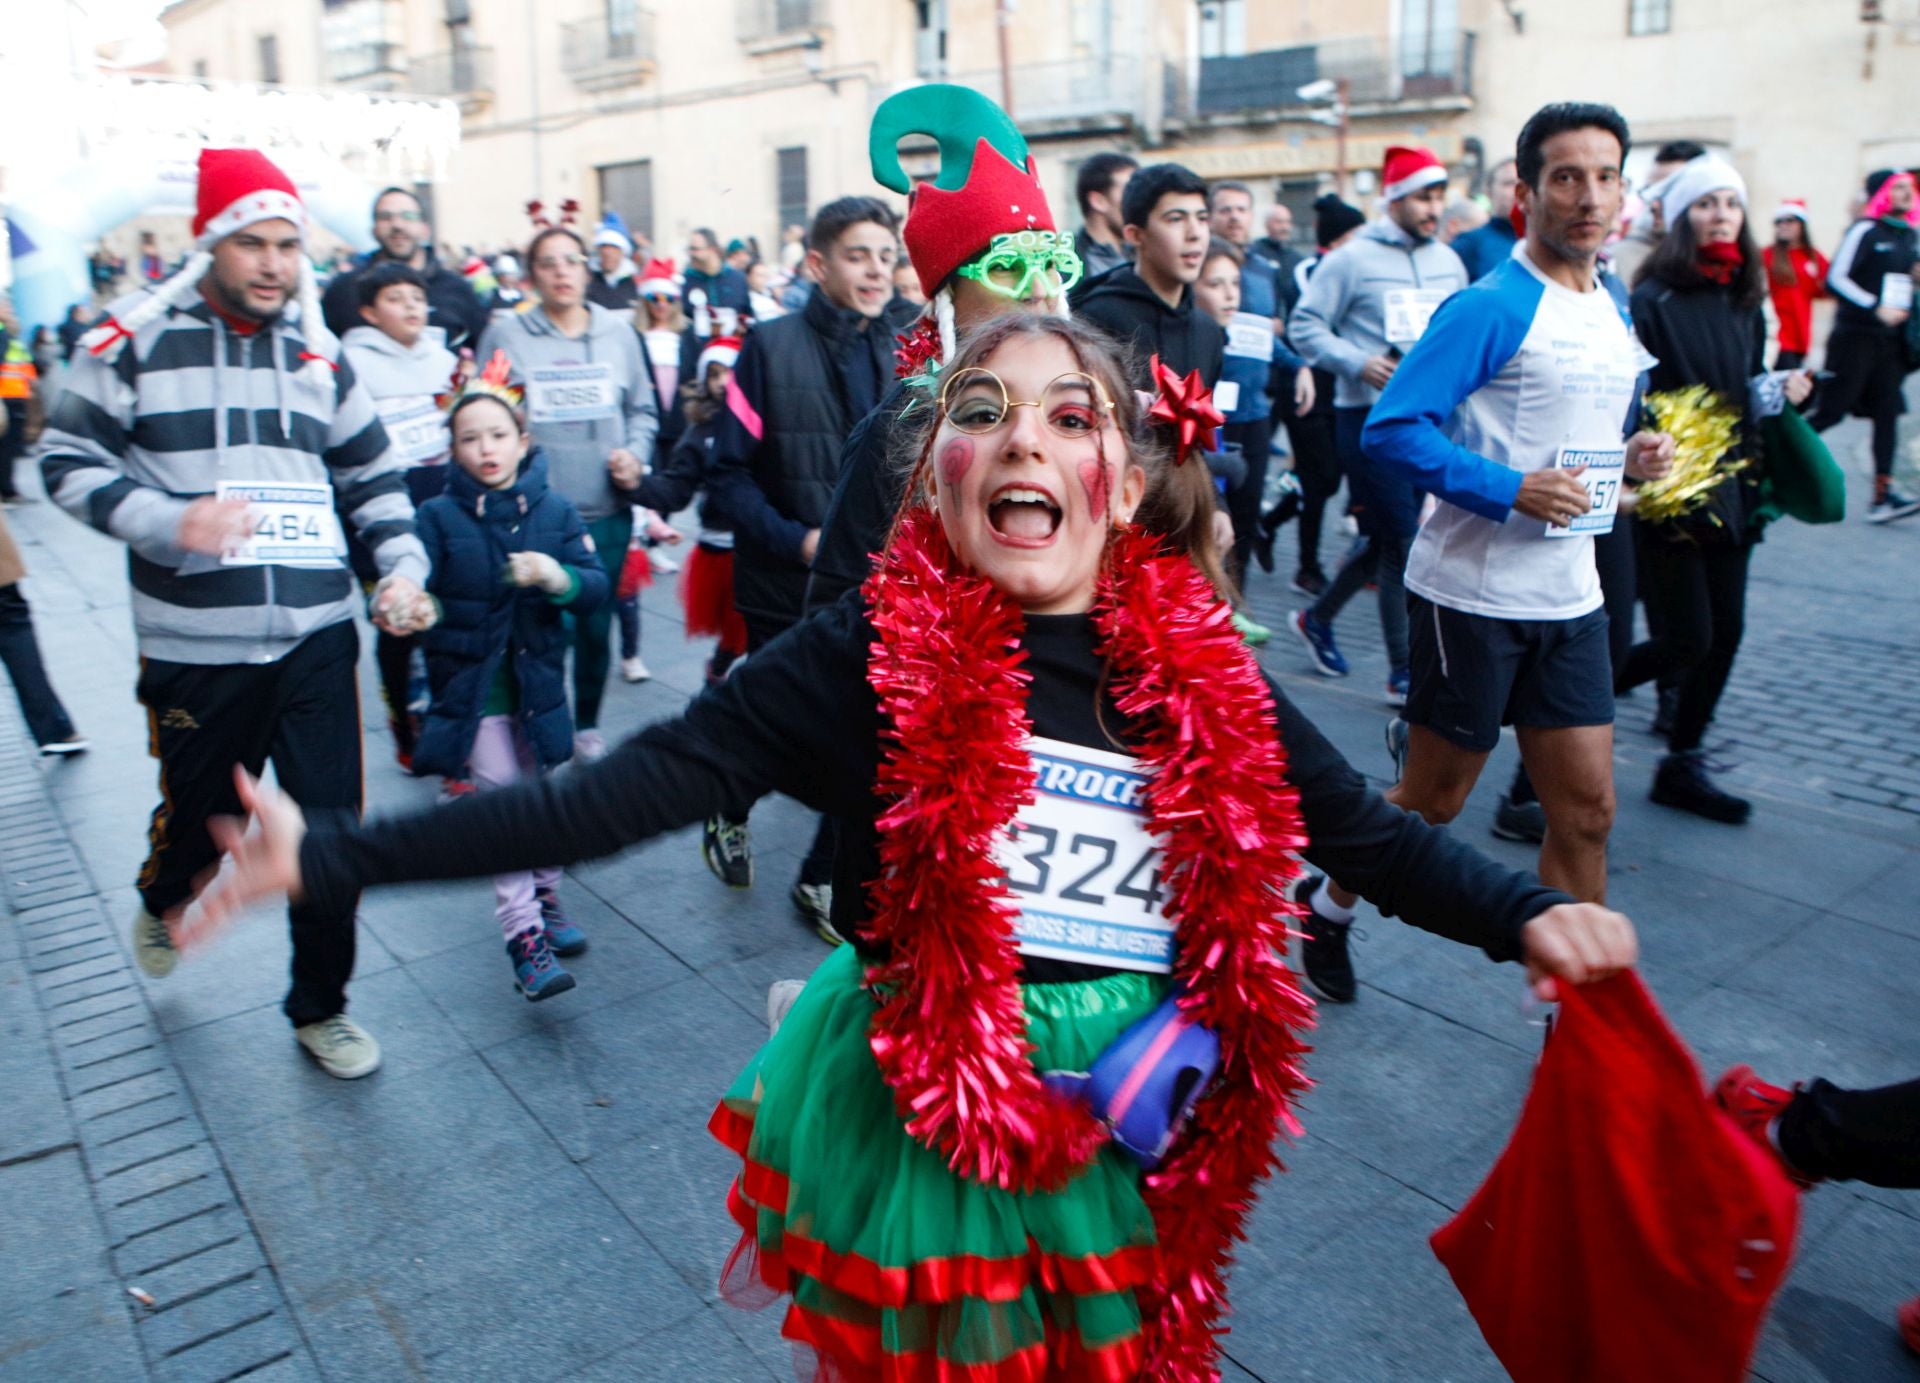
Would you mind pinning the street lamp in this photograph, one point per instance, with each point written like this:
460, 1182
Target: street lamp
1331, 92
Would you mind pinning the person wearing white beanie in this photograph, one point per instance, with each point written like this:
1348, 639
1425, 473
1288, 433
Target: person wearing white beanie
1694, 180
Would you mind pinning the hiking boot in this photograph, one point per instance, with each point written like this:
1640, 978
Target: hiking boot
564, 937
1753, 1104
815, 905
727, 847
1682, 782
344, 1049
536, 973
153, 945
1318, 638
1525, 822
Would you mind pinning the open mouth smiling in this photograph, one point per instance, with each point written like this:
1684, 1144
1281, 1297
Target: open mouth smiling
1023, 516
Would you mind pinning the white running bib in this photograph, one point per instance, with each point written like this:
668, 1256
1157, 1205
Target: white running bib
1606, 470
416, 428
293, 524
1082, 867
1408, 310
1896, 292
571, 393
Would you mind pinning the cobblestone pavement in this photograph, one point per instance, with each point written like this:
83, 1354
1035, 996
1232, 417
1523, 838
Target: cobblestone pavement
527, 1192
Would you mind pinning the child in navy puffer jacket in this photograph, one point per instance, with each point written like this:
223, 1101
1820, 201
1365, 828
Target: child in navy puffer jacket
509, 555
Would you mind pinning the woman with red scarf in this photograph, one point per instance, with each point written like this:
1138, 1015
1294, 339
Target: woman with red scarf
1796, 275
1069, 803
1696, 308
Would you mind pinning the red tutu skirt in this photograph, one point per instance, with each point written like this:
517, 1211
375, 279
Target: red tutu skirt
706, 595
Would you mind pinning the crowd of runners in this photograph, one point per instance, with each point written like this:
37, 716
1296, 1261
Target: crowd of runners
979, 499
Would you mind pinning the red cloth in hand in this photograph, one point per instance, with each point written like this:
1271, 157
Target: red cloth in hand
1629, 1230
636, 573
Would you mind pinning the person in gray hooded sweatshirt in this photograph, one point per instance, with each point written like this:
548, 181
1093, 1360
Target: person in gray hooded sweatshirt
1368, 303
590, 409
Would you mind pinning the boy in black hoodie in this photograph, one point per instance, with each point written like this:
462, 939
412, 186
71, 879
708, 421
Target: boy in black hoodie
1150, 302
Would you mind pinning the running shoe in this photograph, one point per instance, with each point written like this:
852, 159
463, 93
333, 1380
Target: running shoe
1397, 683
1253, 632
1320, 645
589, 746
1753, 1104
564, 936
1310, 583
1398, 733
1325, 956
536, 973
1909, 1319
815, 905
153, 945
662, 564
1892, 505
727, 847
73, 744
344, 1049
633, 669
1525, 822
1682, 782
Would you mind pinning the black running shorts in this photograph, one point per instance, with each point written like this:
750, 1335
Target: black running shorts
1471, 674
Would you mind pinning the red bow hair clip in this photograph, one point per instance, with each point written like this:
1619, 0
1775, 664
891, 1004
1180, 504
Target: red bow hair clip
1186, 405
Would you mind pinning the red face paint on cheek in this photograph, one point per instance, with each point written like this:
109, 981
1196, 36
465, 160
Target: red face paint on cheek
956, 459
1096, 482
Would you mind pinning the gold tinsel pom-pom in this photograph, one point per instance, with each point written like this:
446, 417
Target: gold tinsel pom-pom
1704, 428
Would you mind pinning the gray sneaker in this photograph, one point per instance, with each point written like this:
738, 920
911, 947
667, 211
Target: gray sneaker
342, 1047
153, 945
814, 903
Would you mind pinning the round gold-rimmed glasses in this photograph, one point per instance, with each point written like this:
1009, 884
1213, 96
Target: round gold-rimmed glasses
1073, 405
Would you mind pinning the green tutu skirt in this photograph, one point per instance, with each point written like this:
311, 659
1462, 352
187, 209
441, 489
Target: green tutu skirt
899, 1269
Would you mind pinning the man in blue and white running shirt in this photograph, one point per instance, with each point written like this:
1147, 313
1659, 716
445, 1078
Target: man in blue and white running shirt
1511, 410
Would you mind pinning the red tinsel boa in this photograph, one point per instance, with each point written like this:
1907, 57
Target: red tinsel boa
949, 1031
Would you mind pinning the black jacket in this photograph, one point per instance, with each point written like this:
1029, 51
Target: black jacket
616, 295
670, 486
799, 717
865, 500
800, 384
1869, 252
452, 305
1184, 337
673, 413
1699, 336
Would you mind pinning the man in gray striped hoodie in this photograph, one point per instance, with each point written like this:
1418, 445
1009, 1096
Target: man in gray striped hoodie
213, 432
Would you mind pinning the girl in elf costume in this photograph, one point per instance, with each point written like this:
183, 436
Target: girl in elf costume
1073, 803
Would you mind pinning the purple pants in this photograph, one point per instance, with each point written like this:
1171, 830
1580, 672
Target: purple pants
501, 755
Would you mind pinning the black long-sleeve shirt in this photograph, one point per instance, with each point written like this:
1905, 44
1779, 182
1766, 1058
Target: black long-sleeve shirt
800, 718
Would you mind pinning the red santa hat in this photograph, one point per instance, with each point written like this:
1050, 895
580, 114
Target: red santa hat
1795, 207
236, 188
1407, 170
657, 278
720, 350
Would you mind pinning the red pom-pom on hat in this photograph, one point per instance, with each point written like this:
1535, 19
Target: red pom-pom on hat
1408, 169
237, 188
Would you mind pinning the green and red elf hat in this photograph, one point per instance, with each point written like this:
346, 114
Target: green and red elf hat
987, 185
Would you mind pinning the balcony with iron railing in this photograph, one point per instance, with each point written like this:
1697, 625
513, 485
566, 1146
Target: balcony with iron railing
465, 75
602, 53
1429, 70
367, 66
767, 25
1075, 95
